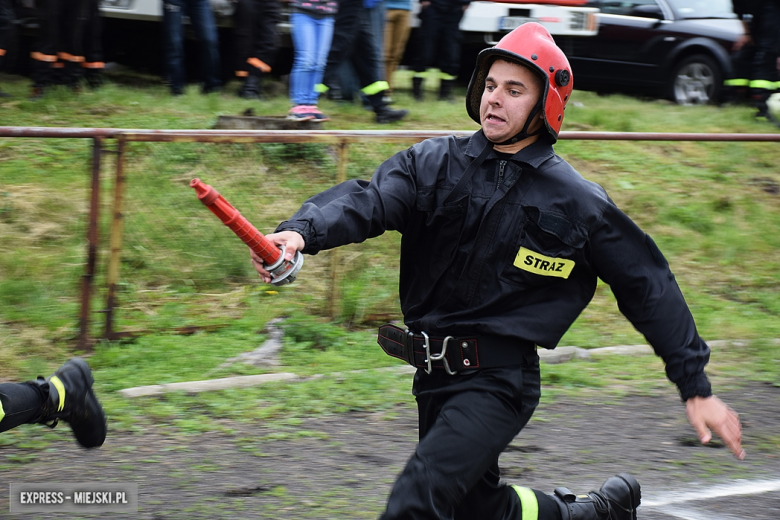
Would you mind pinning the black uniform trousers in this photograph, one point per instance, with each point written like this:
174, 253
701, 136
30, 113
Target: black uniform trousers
20, 403
58, 49
256, 36
466, 421
353, 41
93, 41
439, 38
754, 66
6, 27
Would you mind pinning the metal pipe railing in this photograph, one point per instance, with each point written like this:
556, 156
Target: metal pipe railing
340, 138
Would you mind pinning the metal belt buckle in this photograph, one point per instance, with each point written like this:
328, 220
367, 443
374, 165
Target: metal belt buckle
437, 357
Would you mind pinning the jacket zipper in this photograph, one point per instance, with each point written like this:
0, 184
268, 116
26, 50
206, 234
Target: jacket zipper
501, 166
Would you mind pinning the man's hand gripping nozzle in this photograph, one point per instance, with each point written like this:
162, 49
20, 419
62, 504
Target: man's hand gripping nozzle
282, 272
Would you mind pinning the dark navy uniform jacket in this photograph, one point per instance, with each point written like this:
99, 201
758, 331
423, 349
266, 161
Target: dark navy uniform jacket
517, 255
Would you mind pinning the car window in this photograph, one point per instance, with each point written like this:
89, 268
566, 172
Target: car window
643, 8
702, 8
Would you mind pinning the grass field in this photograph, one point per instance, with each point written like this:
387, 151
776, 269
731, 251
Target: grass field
713, 208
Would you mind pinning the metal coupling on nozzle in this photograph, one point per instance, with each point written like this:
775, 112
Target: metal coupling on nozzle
283, 272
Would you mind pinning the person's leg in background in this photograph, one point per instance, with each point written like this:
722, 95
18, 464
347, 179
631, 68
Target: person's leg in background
202, 20
71, 49
265, 40
93, 46
323, 35
6, 32
342, 46
425, 46
302, 76
243, 24
367, 64
449, 50
397, 31
44, 50
174, 44
764, 81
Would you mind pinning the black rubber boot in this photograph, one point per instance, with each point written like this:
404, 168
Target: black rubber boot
95, 78
445, 90
385, 114
617, 499
251, 88
70, 398
417, 92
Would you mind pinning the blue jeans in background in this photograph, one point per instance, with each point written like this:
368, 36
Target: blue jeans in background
311, 43
202, 20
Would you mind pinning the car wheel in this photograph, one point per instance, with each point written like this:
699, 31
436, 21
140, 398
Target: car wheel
696, 80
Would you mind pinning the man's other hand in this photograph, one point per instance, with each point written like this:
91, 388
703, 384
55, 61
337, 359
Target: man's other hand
710, 413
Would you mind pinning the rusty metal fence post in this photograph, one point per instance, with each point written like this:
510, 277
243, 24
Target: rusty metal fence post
335, 254
92, 245
117, 230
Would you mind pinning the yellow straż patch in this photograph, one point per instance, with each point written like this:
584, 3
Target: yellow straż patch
536, 263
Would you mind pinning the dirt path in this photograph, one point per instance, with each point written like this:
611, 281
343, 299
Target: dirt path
343, 466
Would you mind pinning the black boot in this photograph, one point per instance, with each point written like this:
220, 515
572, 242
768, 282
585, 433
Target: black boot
417, 92
95, 78
617, 499
385, 114
251, 88
758, 99
70, 398
445, 90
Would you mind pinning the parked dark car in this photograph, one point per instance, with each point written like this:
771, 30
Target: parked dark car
670, 48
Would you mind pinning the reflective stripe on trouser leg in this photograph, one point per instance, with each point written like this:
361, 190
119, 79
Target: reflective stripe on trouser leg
2, 412
375, 87
528, 502
738, 82
762, 84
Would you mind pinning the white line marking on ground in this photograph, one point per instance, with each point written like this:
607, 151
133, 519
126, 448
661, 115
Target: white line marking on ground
739, 487
693, 514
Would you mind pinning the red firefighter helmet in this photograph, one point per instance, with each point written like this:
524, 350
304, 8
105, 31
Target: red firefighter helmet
532, 46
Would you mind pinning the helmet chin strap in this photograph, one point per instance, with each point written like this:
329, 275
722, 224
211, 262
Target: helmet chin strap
523, 134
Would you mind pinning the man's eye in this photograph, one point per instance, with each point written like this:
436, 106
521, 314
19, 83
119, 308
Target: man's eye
514, 92
490, 88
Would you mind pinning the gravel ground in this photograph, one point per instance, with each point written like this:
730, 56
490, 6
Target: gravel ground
343, 466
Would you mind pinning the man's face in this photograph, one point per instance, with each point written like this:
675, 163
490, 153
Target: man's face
511, 92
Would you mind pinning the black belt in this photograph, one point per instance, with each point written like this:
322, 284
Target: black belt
450, 353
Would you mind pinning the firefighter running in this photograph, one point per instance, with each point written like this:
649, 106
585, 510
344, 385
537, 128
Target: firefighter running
466, 207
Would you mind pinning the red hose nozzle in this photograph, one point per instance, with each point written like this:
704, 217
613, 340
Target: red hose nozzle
230, 216
282, 272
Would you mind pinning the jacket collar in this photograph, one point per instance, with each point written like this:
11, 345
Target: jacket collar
533, 155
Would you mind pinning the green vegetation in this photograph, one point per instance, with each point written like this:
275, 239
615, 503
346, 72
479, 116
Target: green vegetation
711, 207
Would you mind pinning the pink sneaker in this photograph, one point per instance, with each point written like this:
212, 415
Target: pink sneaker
319, 117
300, 113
